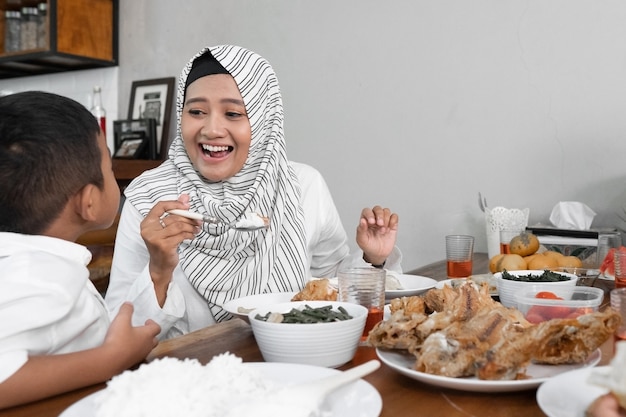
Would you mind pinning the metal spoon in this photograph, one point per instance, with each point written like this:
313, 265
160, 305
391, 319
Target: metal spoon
215, 220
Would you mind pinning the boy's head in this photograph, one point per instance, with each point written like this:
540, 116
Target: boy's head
54, 166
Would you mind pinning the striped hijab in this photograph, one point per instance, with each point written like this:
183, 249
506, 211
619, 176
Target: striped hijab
224, 264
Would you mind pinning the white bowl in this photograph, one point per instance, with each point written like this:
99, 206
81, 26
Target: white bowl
322, 344
508, 288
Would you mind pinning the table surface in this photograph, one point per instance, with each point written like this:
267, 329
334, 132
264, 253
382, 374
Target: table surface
401, 395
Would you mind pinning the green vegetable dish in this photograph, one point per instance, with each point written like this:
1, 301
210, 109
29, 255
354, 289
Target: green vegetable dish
547, 276
308, 314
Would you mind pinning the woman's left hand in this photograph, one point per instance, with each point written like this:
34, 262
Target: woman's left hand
376, 234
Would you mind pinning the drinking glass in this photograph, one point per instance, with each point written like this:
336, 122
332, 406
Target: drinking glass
459, 255
364, 286
505, 239
607, 241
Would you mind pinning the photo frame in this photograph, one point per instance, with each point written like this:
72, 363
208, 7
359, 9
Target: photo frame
133, 129
153, 99
131, 148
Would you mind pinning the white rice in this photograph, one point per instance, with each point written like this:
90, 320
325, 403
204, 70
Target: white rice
172, 387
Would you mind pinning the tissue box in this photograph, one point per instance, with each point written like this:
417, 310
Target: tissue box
580, 243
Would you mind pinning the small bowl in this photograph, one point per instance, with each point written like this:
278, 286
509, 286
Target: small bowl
573, 302
322, 344
508, 288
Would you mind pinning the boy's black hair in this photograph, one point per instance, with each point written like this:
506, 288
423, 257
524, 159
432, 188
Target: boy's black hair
48, 152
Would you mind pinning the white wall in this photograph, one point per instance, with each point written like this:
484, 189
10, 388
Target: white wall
419, 105
77, 85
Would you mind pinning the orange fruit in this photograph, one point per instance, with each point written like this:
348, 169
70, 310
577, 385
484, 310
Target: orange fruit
510, 262
543, 262
530, 257
493, 262
570, 262
524, 244
553, 254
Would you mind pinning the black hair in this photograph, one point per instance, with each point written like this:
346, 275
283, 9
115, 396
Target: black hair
48, 152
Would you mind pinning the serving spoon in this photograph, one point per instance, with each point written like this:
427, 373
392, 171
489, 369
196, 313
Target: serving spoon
312, 393
238, 225
303, 399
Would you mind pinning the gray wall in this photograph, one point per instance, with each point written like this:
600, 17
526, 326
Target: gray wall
419, 105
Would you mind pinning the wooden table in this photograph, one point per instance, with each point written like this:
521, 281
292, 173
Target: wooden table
401, 395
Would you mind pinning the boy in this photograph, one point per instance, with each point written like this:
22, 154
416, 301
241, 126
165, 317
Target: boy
56, 183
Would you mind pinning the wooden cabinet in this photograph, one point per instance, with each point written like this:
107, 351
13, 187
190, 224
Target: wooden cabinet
82, 34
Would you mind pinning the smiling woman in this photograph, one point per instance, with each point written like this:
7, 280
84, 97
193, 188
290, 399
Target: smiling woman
230, 159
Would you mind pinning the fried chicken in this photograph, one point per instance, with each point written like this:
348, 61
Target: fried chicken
317, 289
462, 331
572, 340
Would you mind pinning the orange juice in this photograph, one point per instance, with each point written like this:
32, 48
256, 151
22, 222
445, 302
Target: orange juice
459, 269
374, 315
505, 248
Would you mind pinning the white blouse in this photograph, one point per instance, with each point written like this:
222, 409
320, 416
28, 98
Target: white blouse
185, 309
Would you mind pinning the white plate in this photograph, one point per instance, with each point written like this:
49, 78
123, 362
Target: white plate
358, 399
411, 284
255, 301
477, 279
568, 394
403, 362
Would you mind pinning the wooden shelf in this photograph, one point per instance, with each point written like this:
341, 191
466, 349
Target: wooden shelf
82, 34
128, 169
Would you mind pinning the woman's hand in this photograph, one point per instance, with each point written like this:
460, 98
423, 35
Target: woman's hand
376, 234
162, 234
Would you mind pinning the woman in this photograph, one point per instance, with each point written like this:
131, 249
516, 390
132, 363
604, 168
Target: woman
229, 159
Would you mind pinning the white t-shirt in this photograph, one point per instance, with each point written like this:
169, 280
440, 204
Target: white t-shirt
48, 305
185, 309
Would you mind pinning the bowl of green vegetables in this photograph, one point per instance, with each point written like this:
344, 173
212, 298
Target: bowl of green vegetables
322, 333
510, 283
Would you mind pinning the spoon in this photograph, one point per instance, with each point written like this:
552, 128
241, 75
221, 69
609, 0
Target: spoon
247, 224
311, 394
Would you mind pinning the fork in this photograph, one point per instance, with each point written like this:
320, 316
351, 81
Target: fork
482, 202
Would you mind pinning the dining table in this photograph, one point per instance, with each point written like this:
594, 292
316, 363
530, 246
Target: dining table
401, 395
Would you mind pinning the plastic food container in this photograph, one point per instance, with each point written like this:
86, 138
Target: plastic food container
507, 289
540, 302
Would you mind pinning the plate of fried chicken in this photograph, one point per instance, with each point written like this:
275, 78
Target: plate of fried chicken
536, 374
461, 338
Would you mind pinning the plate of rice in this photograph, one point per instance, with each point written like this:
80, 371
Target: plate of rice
225, 387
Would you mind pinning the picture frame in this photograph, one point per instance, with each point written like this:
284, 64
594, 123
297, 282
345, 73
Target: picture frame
133, 129
153, 99
131, 148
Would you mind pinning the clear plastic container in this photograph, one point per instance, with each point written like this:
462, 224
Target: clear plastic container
42, 25
12, 29
544, 302
28, 31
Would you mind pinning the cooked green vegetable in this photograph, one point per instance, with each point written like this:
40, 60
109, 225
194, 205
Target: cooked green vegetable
547, 276
307, 315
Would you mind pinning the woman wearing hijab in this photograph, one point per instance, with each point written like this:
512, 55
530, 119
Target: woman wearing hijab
229, 159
